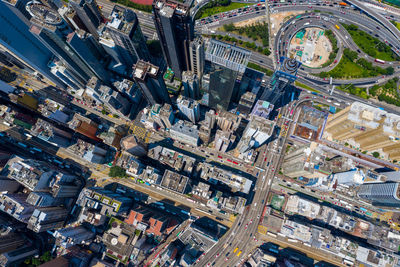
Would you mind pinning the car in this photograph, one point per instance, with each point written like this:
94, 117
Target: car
245, 227
226, 259
217, 255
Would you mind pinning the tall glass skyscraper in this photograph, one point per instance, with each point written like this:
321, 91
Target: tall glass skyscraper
123, 38
175, 30
222, 82
17, 40
283, 77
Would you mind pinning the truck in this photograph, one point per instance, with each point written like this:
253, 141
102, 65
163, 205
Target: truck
377, 60
342, 4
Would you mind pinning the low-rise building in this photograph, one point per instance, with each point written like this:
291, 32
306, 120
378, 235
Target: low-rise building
178, 161
214, 174
104, 201
119, 240
262, 109
68, 237
174, 182
185, 133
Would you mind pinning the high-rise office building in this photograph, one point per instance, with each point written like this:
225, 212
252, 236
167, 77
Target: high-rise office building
89, 14
189, 108
197, 56
227, 55
123, 38
84, 46
220, 91
246, 102
190, 82
227, 63
11, 241
256, 133
9, 185
223, 141
22, 45
47, 218
49, 27
17, 256
175, 31
382, 193
68, 237
151, 82
210, 119
283, 77
18, 7
67, 75
308, 161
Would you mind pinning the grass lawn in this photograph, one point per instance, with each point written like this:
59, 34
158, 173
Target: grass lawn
397, 25
347, 69
370, 44
219, 9
304, 86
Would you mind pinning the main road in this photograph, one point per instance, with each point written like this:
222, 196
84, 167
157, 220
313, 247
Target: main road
244, 232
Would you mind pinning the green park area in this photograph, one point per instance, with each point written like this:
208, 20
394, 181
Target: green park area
350, 66
217, 6
395, 23
277, 202
371, 45
249, 45
256, 31
387, 92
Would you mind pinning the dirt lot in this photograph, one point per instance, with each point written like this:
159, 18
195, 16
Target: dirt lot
277, 19
312, 48
250, 21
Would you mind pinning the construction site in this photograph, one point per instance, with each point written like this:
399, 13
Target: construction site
311, 47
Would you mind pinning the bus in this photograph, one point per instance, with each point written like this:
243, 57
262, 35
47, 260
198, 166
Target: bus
240, 252
235, 250
379, 61
337, 27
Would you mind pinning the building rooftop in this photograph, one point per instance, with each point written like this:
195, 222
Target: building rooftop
174, 182
170, 7
185, 128
303, 207
209, 172
119, 240
43, 13
122, 19
142, 68
227, 55
296, 231
172, 158
198, 238
262, 108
